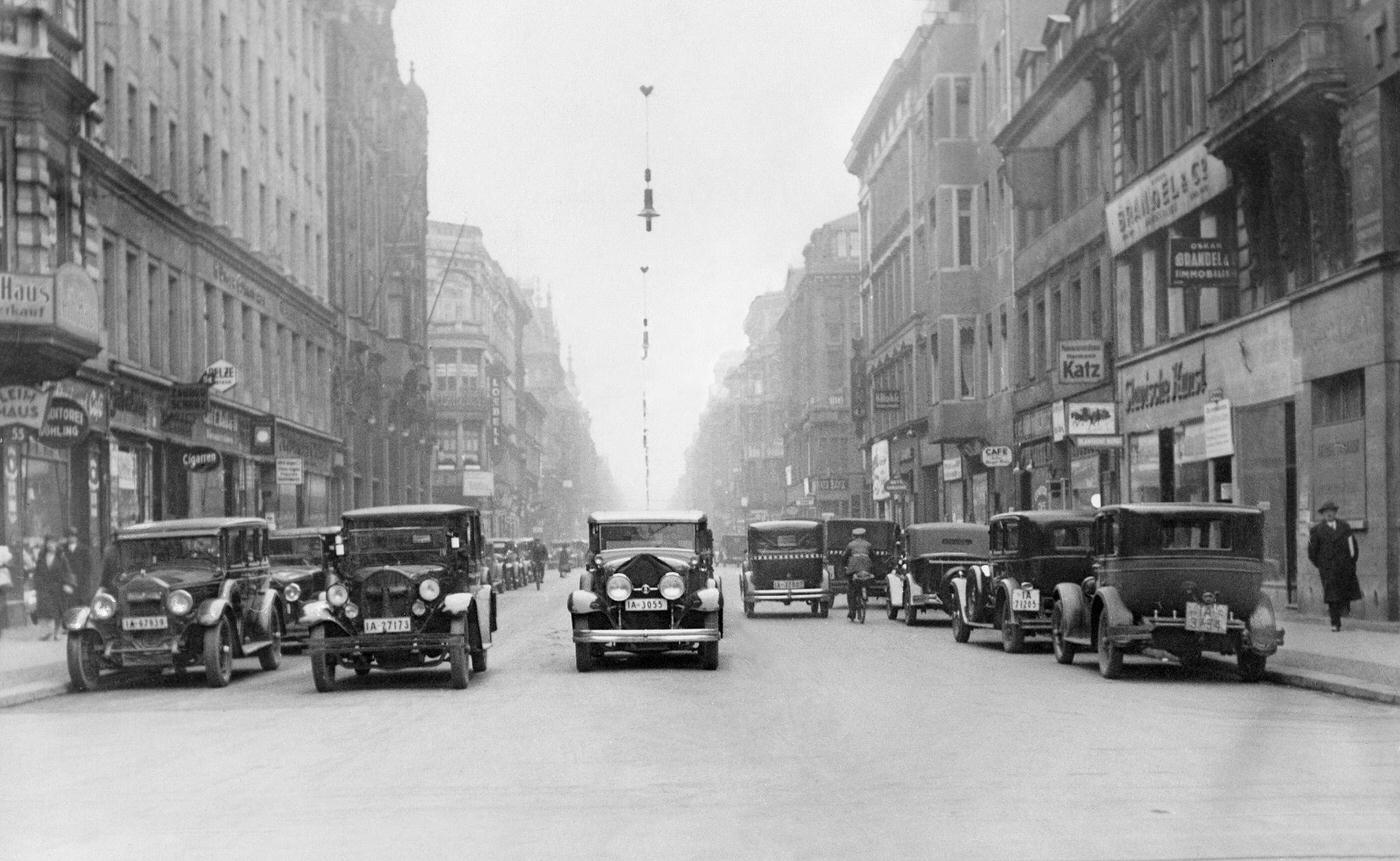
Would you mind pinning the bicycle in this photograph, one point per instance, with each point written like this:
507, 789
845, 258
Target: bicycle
858, 597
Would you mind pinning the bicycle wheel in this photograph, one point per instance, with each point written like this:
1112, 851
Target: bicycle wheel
860, 605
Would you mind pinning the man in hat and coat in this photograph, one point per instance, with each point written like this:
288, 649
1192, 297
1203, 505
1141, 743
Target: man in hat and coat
1332, 549
856, 559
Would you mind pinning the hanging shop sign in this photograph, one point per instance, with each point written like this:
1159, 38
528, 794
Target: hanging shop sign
65, 423
1091, 418
1099, 441
1200, 263
220, 376
879, 469
263, 437
478, 483
290, 470
495, 410
897, 486
1159, 198
201, 460
26, 300
1081, 362
23, 406
189, 399
93, 399
887, 399
1155, 387
220, 426
995, 456
1219, 431
952, 468
1058, 429
133, 407
831, 484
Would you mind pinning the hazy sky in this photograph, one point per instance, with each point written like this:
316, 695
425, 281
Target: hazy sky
537, 135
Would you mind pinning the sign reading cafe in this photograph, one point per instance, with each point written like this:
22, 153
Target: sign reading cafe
1146, 389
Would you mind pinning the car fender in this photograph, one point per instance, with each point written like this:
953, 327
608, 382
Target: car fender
960, 589
1072, 609
262, 618
895, 583
709, 600
1264, 635
484, 616
76, 618
457, 603
211, 610
582, 602
745, 583
316, 612
1107, 600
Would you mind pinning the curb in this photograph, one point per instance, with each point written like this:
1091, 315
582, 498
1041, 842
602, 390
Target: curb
1343, 685
28, 693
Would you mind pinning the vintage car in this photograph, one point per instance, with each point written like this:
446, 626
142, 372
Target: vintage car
732, 548
784, 564
302, 559
934, 553
1030, 553
884, 538
186, 592
1182, 578
649, 586
412, 592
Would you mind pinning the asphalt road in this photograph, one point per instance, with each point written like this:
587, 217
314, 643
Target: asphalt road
815, 738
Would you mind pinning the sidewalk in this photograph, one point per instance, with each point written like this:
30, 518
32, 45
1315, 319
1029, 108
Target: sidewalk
1361, 661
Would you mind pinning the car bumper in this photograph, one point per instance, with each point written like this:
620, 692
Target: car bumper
933, 602
337, 646
787, 596
620, 636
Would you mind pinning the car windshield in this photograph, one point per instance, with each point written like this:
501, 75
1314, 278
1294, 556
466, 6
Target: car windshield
402, 544
615, 535
139, 553
305, 550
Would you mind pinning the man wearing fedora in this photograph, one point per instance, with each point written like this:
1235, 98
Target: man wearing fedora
1332, 550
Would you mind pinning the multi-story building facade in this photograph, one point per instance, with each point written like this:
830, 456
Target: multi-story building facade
179, 339
822, 470
759, 412
477, 328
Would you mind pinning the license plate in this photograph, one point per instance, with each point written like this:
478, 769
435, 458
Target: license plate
1025, 600
1206, 618
646, 603
144, 623
398, 625
789, 584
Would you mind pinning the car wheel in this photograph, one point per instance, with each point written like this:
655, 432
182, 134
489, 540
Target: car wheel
748, 610
911, 613
323, 666
962, 631
1110, 655
1251, 665
824, 609
83, 667
270, 656
891, 611
1064, 650
1013, 636
479, 661
457, 656
709, 655
218, 653
583, 657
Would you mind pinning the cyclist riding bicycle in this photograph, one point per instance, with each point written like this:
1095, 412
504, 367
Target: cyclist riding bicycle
539, 556
856, 560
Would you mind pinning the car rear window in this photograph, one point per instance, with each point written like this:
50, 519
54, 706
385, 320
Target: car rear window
1197, 533
1070, 537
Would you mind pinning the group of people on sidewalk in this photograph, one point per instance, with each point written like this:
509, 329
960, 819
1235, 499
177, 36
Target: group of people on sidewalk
50, 577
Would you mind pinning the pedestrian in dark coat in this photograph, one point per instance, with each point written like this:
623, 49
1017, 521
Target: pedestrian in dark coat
1332, 549
8, 582
53, 580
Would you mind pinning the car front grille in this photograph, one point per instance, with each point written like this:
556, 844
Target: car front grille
644, 571
386, 594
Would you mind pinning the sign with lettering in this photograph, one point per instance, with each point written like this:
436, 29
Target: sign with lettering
897, 486
1091, 418
1147, 389
189, 399
79, 308
495, 410
1200, 263
65, 423
1107, 441
1081, 362
994, 456
1219, 431
26, 300
220, 376
879, 469
23, 406
478, 483
93, 400
290, 470
1179, 186
887, 399
201, 460
831, 484
952, 468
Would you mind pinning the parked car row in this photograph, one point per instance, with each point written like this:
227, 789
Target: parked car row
1180, 579
392, 587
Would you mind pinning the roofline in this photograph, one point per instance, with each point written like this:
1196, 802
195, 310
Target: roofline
420, 508
647, 516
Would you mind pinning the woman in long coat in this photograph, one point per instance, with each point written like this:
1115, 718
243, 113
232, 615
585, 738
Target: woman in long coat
1333, 550
54, 583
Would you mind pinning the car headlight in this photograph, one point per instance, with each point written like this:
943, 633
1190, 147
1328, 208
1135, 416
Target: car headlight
619, 587
351, 611
337, 595
695, 562
104, 606
419, 608
291, 592
179, 602
429, 589
598, 561
672, 586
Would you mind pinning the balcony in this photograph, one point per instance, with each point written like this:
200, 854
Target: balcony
949, 421
1308, 64
466, 404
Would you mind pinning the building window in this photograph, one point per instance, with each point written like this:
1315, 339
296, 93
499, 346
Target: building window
967, 359
1193, 82
1134, 123
1340, 398
1165, 115
963, 224
133, 121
